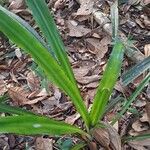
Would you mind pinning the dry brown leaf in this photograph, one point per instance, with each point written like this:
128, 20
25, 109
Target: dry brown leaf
98, 47
102, 136
144, 118
3, 88
17, 4
59, 4
71, 119
43, 144
147, 50
139, 126
33, 81
18, 95
140, 144
34, 101
107, 137
77, 30
148, 110
87, 79
83, 71
86, 7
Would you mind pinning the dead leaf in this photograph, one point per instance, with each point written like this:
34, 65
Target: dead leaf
147, 50
33, 81
140, 144
3, 88
71, 119
98, 47
139, 126
17, 4
43, 144
144, 118
59, 4
107, 137
87, 79
78, 30
102, 136
18, 95
86, 7
148, 110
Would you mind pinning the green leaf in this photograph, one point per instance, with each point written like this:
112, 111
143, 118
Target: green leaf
107, 83
14, 110
113, 103
3, 98
46, 23
28, 42
131, 98
78, 146
135, 71
33, 125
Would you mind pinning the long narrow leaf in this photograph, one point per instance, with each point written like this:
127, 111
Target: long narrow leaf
114, 19
33, 125
27, 41
29, 28
14, 110
132, 98
135, 71
46, 23
107, 83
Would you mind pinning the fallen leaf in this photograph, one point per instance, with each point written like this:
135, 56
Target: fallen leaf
107, 137
71, 119
147, 50
148, 110
78, 30
138, 126
140, 144
98, 47
18, 95
3, 88
17, 4
87, 79
86, 7
43, 144
33, 81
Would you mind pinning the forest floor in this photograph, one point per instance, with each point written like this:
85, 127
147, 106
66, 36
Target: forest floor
89, 45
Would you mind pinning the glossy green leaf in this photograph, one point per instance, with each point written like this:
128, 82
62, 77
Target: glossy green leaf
135, 71
33, 125
14, 110
126, 106
28, 42
46, 23
107, 83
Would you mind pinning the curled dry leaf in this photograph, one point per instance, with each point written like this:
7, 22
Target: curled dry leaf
43, 144
107, 137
